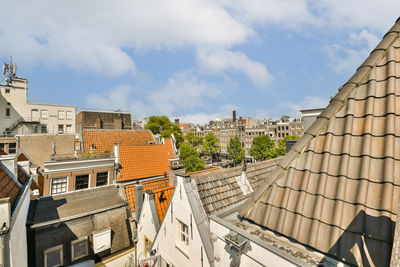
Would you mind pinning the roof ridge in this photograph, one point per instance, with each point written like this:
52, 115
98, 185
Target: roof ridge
335, 104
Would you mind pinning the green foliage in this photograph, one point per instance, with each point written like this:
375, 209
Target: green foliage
162, 125
235, 150
193, 140
281, 148
263, 148
210, 145
190, 158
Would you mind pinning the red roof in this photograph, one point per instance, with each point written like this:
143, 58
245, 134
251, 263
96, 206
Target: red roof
8, 186
139, 162
152, 185
104, 140
161, 198
170, 146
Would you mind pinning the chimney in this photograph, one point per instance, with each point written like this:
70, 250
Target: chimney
138, 201
118, 123
176, 121
234, 113
172, 177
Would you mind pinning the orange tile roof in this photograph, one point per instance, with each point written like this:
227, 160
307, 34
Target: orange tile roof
104, 140
182, 124
161, 198
143, 161
8, 186
148, 185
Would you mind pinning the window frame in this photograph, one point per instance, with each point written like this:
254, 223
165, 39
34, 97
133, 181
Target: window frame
42, 127
44, 114
51, 185
58, 128
51, 249
73, 242
59, 112
67, 117
107, 180
14, 148
68, 126
182, 233
7, 90
88, 182
8, 112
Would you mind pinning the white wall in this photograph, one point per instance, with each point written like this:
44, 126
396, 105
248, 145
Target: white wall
146, 227
166, 242
17, 237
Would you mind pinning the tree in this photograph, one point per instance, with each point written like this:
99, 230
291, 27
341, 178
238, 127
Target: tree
263, 148
190, 158
162, 125
210, 145
235, 150
193, 140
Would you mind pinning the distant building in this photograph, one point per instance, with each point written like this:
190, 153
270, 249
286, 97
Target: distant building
93, 119
21, 117
309, 116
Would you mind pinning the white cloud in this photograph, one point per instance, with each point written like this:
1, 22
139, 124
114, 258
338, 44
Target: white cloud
308, 102
344, 59
114, 99
220, 60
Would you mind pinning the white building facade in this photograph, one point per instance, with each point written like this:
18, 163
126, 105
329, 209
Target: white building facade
18, 116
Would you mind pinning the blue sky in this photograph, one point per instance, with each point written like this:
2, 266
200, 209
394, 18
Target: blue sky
191, 59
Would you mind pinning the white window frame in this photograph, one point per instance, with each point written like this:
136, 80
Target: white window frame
58, 128
51, 185
108, 179
68, 115
59, 247
82, 175
42, 112
73, 258
70, 128
182, 233
59, 116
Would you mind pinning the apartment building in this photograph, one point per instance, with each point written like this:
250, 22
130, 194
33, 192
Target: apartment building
95, 119
18, 116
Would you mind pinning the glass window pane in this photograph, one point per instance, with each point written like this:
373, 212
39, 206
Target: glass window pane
79, 249
53, 258
82, 181
101, 178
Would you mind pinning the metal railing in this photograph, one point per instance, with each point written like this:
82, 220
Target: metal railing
21, 120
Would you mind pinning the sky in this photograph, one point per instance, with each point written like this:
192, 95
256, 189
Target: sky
191, 59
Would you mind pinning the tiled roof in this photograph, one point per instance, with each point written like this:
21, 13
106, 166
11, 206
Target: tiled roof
143, 161
152, 185
22, 157
162, 197
170, 146
219, 189
337, 190
205, 170
8, 186
104, 140
23, 177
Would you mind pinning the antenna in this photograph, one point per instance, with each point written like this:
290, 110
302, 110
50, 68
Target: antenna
9, 72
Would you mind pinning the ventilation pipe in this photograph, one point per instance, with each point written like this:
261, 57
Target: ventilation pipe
138, 201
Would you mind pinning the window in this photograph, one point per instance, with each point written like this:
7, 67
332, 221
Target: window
8, 112
183, 233
79, 248
53, 256
69, 115
35, 128
101, 178
61, 114
61, 128
81, 181
68, 128
58, 185
43, 113
43, 128
7, 90
12, 148
2, 147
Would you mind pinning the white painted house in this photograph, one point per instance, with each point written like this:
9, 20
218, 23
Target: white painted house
184, 237
18, 116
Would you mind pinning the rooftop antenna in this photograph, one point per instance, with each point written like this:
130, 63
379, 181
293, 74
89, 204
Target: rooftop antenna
9, 72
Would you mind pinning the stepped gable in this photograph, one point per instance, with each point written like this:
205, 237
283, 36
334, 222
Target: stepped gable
337, 189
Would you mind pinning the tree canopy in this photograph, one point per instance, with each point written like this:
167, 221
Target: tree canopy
235, 150
190, 158
193, 140
263, 148
210, 145
162, 125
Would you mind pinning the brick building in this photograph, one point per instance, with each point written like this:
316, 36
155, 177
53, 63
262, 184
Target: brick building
92, 119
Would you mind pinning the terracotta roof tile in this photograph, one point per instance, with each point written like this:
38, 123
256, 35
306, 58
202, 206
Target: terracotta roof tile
152, 185
143, 161
341, 187
104, 140
170, 146
162, 197
22, 157
8, 186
